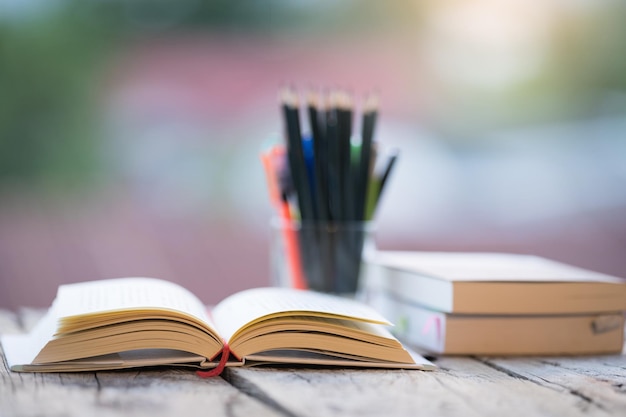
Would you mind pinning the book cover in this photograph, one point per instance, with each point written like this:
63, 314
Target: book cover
462, 334
492, 283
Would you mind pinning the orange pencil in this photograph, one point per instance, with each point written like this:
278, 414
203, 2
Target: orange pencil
290, 237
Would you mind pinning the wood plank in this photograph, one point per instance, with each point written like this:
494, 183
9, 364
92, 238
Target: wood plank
134, 393
461, 387
598, 381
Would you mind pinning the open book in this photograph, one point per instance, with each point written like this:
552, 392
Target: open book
133, 322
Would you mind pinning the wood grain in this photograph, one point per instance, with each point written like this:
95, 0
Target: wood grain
461, 387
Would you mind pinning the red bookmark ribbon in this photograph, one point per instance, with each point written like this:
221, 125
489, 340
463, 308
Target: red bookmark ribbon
217, 371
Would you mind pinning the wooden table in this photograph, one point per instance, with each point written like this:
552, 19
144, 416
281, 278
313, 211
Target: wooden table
463, 386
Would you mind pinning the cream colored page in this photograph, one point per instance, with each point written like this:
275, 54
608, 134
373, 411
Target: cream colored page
126, 293
242, 308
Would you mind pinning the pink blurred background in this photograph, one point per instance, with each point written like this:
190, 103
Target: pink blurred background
130, 133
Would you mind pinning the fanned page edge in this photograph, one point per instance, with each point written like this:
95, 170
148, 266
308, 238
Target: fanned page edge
120, 361
21, 350
420, 363
88, 298
243, 309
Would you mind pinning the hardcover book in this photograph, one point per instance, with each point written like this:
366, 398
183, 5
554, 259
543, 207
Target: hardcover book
492, 283
471, 334
134, 322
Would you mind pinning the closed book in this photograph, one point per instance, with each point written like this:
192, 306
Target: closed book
492, 283
461, 334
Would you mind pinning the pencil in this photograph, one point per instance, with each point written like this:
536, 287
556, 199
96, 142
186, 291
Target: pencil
378, 181
317, 123
344, 125
278, 196
370, 113
333, 153
388, 168
295, 155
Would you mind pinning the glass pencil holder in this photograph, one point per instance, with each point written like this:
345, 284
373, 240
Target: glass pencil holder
317, 255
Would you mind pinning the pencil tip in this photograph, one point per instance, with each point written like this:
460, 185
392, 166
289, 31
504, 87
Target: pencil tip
313, 99
289, 97
371, 104
340, 99
346, 100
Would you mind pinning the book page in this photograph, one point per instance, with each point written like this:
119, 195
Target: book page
248, 306
126, 294
21, 349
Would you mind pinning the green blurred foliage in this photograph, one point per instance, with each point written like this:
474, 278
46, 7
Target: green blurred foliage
269, 16
49, 80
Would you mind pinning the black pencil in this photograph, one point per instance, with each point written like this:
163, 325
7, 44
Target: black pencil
370, 113
317, 122
295, 155
334, 174
309, 248
387, 171
344, 123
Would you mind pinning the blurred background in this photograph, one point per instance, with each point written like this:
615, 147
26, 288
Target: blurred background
130, 131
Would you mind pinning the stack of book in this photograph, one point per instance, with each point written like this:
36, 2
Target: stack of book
496, 304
